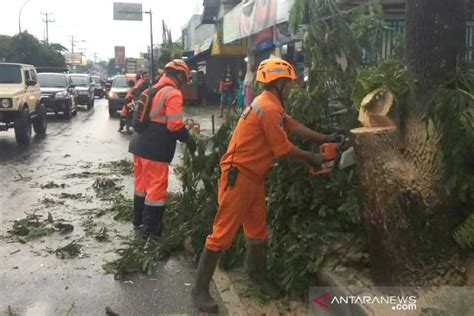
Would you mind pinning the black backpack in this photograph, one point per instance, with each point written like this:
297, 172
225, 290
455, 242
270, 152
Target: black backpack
141, 113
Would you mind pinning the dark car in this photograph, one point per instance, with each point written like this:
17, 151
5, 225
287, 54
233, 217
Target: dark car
99, 90
117, 93
84, 89
58, 93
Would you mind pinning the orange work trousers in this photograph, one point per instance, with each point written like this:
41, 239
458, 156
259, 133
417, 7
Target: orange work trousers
151, 180
243, 204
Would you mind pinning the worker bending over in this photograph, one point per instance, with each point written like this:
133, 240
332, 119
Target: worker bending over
260, 136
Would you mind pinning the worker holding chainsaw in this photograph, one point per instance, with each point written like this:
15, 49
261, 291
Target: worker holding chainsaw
260, 136
158, 124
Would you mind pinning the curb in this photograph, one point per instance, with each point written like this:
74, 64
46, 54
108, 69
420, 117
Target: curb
228, 294
327, 277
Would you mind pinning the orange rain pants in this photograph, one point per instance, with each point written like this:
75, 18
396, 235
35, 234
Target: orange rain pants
243, 204
151, 180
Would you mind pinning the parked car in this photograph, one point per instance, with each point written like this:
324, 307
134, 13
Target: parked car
84, 89
99, 89
59, 94
117, 93
20, 101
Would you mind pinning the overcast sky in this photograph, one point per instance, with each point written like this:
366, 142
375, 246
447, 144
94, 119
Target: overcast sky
92, 21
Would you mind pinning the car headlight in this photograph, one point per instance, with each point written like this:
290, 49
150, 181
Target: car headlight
112, 94
60, 94
6, 103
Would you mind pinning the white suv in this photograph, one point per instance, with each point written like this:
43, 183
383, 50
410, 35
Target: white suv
20, 101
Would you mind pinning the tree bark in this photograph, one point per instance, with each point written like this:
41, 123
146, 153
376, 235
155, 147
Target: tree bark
401, 174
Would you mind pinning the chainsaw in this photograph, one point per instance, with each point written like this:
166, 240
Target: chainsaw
338, 155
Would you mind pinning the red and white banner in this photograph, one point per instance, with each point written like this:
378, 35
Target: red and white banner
251, 17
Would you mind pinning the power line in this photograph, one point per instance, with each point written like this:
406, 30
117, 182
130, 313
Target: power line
73, 43
47, 21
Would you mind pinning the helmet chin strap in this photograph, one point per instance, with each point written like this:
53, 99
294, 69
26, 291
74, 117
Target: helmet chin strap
178, 80
279, 91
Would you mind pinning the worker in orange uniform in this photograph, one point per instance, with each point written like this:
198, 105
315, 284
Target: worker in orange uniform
154, 148
126, 107
260, 135
142, 83
158, 76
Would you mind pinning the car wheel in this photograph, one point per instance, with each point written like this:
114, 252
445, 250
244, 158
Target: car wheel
23, 127
40, 122
67, 114
111, 112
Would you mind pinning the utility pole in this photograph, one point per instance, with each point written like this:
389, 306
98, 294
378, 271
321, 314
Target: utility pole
73, 43
47, 21
95, 58
152, 68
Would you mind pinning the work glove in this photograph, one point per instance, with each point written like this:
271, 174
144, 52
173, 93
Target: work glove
191, 144
317, 160
332, 138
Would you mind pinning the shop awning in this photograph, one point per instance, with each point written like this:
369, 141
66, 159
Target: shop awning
197, 58
253, 16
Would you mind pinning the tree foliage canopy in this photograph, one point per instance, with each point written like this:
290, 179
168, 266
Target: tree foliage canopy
169, 52
27, 49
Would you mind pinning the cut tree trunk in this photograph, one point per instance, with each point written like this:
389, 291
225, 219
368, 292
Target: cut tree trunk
403, 230
402, 177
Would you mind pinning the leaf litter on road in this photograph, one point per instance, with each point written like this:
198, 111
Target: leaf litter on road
33, 227
11, 311
122, 208
75, 196
139, 255
49, 202
68, 309
84, 174
102, 235
53, 185
106, 188
71, 250
123, 167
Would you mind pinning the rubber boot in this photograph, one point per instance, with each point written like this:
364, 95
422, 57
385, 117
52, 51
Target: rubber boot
257, 267
200, 291
138, 205
122, 124
152, 220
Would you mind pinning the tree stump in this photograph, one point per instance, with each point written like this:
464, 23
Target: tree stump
403, 237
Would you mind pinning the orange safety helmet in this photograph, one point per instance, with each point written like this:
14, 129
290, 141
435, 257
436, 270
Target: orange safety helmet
272, 69
179, 65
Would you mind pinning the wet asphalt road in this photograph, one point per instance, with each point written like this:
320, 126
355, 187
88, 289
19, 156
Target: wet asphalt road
35, 282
